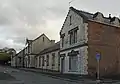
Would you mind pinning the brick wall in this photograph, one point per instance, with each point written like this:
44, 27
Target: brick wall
106, 40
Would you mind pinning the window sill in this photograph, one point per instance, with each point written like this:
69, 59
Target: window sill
72, 71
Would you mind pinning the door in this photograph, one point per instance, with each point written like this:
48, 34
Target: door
73, 63
62, 64
36, 62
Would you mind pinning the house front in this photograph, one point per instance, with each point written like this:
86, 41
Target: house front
19, 58
13, 58
13, 61
49, 58
35, 46
82, 36
104, 38
73, 44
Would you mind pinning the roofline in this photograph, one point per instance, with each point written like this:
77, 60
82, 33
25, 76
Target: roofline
71, 8
64, 21
49, 52
40, 53
104, 23
41, 36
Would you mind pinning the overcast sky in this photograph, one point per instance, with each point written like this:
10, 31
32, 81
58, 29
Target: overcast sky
30, 18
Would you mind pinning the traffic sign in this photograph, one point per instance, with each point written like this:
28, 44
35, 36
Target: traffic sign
98, 56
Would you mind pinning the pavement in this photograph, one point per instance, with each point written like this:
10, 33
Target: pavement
17, 76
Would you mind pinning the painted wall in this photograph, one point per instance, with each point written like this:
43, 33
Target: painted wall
41, 43
36, 46
81, 63
50, 67
13, 59
77, 21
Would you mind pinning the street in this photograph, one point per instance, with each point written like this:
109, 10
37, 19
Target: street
15, 76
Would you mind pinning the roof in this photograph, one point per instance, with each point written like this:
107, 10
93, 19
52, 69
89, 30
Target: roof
87, 15
55, 47
30, 41
41, 36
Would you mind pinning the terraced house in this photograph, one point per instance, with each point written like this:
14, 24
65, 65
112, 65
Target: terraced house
85, 34
34, 47
20, 59
49, 58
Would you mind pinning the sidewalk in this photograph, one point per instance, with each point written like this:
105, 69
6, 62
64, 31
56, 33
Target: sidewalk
56, 74
69, 77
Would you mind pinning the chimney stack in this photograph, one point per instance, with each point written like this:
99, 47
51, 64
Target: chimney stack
109, 16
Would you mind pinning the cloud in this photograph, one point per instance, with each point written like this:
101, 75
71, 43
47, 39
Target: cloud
30, 18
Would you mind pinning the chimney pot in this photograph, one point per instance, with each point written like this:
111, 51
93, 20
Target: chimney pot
110, 16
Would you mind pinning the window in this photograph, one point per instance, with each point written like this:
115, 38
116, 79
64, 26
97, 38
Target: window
69, 63
53, 59
43, 60
71, 38
47, 60
43, 39
62, 39
28, 59
20, 60
73, 63
70, 20
39, 61
73, 35
63, 42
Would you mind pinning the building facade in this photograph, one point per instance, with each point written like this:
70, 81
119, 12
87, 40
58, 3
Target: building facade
82, 36
34, 47
20, 59
73, 45
13, 58
103, 39
49, 58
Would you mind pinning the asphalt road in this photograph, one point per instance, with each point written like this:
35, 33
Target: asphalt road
15, 76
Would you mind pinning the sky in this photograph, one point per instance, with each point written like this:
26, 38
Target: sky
21, 19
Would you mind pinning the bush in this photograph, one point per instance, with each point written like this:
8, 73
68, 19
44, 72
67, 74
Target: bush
4, 56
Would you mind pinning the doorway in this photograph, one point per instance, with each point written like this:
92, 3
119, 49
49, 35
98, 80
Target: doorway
62, 64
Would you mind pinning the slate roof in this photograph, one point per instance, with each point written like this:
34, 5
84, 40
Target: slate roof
55, 47
87, 15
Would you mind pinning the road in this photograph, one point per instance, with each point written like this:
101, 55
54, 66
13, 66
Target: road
15, 76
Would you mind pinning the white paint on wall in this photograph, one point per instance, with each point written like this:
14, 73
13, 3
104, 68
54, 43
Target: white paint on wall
77, 21
81, 63
50, 67
82, 38
13, 61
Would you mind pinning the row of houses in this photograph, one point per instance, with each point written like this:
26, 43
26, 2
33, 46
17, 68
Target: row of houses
82, 36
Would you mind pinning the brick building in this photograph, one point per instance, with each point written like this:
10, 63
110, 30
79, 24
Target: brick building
103, 38
85, 34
